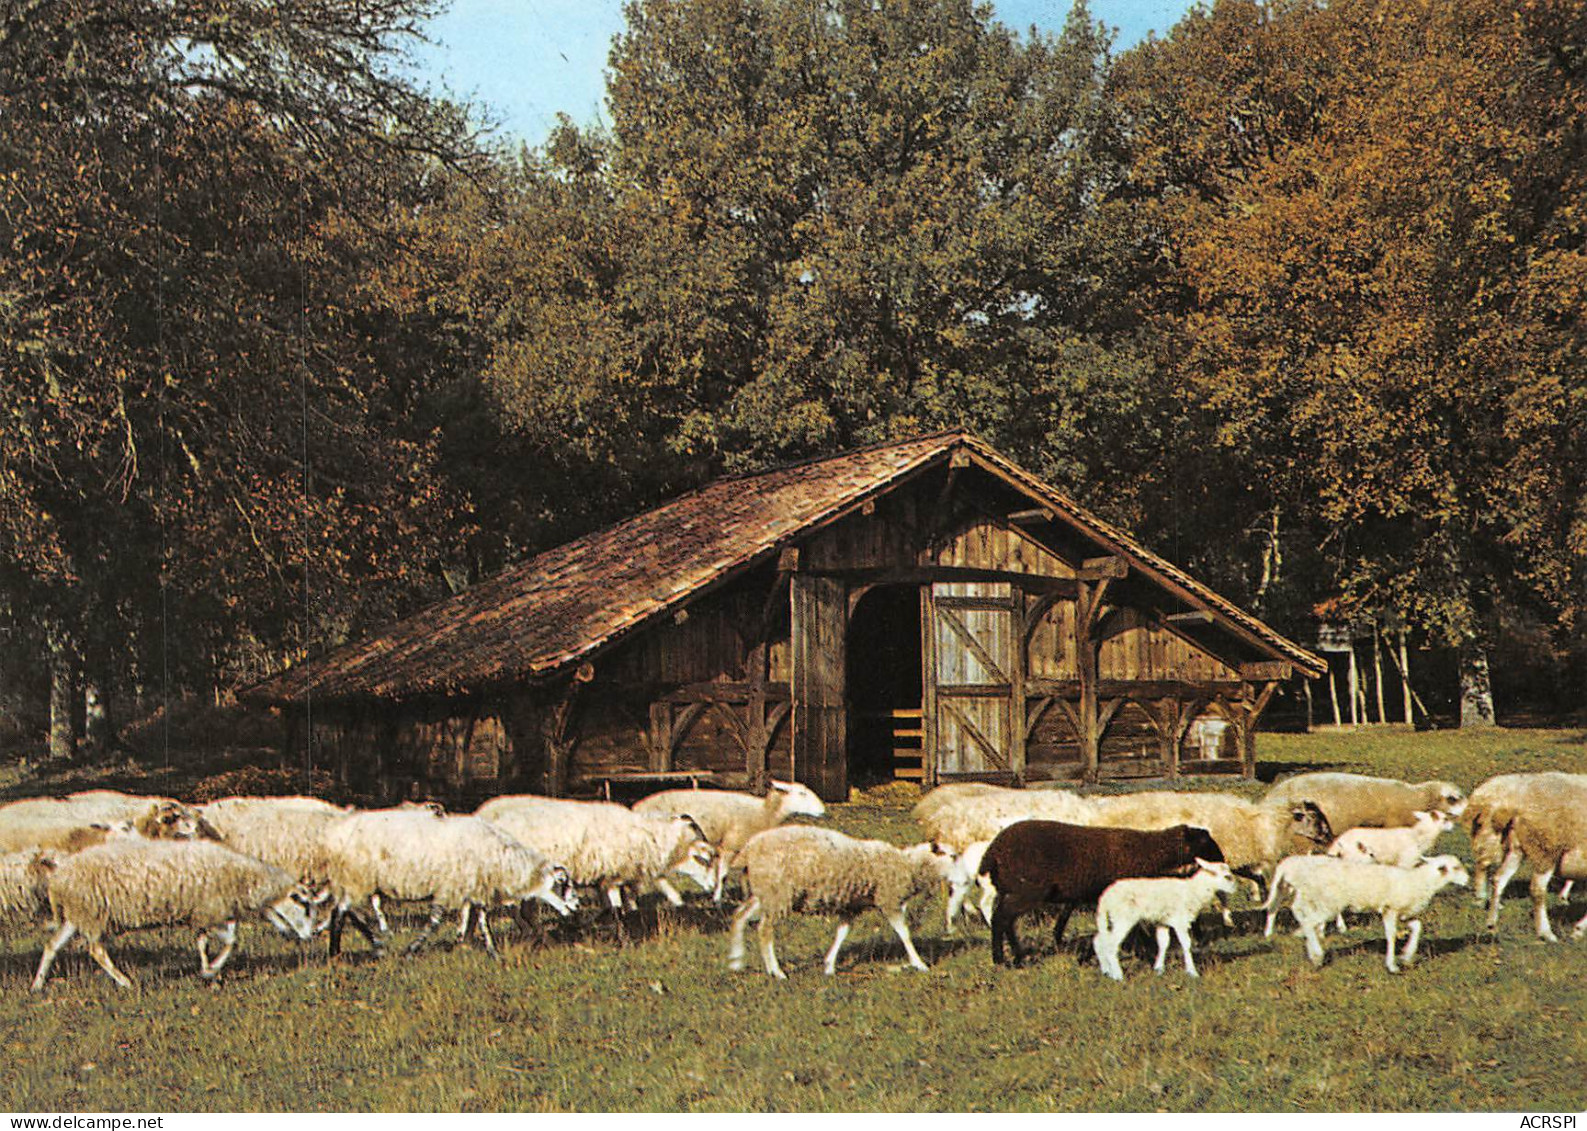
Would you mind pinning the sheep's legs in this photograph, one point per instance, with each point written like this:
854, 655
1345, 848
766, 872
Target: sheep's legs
768, 948
380, 918
228, 940
96, 948
1314, 946
436, 915
341, 916
1391, 924
1408, 955
1183, 935
837, 944
748, 912
668, 892
1540, 882
1106, 948
51, 949
1063, 921
484, 932
1507, 870
900, 927
1003, 927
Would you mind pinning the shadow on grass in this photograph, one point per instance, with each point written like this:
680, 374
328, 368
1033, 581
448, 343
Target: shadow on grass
1270, 772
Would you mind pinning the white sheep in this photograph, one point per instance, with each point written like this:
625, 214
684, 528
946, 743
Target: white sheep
62, 822
802, 868
729, 819
972, 816
457, 864
1351, 801
1328, 886
133, 882
1253, 835
951, 794
1402, 846
1546, 824
605, 845
963, 875
1489, 811
283, 831
1165, 901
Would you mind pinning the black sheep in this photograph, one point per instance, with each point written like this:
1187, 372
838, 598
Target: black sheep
1036, 862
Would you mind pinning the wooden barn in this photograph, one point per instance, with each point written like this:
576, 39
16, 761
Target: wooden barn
922, 609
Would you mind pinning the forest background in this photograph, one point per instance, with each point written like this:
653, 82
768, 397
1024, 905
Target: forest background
288, 347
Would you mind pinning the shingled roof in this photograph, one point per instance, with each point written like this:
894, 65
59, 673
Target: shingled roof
560, 607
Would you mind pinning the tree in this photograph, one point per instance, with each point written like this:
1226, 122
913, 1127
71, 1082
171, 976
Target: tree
202, 449
1363, 205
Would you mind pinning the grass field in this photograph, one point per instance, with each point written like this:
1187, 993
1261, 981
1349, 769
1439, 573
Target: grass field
657, 1023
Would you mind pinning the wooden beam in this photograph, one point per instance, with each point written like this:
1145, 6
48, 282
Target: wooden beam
1195, 616
1097, 569
1263, 670
925, 575
1037, 514
788, 560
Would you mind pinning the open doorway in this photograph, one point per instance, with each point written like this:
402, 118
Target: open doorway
884, 682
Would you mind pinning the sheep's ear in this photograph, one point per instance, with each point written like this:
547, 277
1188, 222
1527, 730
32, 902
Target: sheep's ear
1419, 815
1204, 865
781, 786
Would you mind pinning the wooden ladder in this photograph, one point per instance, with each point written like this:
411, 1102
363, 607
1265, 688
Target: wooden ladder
907, 728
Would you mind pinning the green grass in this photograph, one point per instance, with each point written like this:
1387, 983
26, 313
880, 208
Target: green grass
658, 1024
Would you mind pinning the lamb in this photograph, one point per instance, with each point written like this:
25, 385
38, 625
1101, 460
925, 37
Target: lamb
1254, 836
24, 883
799, 868
1327, 886
133, 882
459, 864
1352, 801
730, 819
1548, 826
981, 815
1167, 902
605, 845
1035, 862
962, 876
1402, 847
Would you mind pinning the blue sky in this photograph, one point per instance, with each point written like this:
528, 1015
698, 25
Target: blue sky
529, 59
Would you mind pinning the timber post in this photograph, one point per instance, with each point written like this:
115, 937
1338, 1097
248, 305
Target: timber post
1095, 577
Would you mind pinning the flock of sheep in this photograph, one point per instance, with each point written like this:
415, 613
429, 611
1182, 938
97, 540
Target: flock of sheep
101, 862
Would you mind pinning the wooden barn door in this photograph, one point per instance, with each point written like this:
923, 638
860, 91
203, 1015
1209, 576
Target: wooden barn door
819, 628
974, 676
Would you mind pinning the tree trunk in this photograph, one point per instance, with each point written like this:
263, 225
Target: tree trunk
63, 699
99, 731
1405, 677
1476, 688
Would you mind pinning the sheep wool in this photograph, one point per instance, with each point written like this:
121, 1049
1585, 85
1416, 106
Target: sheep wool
24, 883
1402, 847
977, 816
1254, 836
1352, 801
798, 868
457, 864
288, 832
728, 819
1547, 825
605, 845
133, 882
1329, 886
1167, 902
